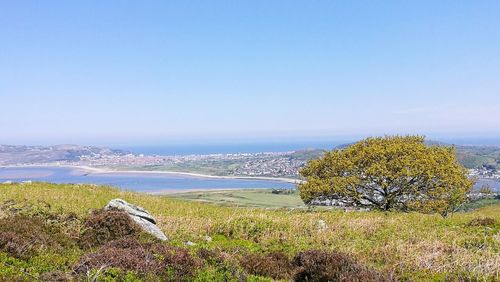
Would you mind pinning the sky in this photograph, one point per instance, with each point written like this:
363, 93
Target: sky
153, 72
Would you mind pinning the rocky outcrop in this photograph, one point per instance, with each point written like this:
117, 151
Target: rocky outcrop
139, 215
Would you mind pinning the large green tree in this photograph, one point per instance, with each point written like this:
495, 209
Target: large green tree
388, 173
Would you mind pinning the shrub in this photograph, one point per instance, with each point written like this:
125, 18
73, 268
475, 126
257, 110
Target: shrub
276, 265
15, 245
128, 254
67, 223
177, 260
211, 256
105, 226
22, 237
56, 276
317, 265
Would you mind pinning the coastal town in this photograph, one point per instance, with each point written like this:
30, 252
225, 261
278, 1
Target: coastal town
265, 164
485, 172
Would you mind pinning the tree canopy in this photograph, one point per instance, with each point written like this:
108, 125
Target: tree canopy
388, 173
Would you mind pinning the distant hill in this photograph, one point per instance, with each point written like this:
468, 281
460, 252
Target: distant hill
479, 156
15, 154
307, 154
468, 156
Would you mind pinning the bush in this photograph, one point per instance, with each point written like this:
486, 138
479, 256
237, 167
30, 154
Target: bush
317, 265
105, 226
23, 237
276, 265
128, 254
312, 265
55, 276
211, 256
177, 260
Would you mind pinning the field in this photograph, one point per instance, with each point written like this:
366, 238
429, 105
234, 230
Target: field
404, 246
263, 198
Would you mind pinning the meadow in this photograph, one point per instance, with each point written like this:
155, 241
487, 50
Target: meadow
401, 246
263, 198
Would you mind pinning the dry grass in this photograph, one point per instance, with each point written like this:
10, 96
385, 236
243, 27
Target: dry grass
413, 246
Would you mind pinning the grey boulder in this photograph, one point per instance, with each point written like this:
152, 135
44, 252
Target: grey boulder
139, 215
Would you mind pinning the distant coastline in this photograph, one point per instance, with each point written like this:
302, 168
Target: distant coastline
495, 184
96, 170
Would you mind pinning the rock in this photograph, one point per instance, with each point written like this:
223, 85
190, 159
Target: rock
139, 215
322, 225
208, 239
189, 243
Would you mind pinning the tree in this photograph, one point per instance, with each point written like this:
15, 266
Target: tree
389, 173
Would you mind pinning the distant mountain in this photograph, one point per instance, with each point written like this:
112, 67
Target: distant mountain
14, 154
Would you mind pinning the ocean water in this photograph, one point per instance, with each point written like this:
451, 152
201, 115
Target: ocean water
142, 182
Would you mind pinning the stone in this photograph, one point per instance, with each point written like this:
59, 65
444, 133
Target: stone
322, 226
139, 215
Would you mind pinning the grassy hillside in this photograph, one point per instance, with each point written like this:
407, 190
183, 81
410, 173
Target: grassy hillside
399, 245
478, 156
263, 198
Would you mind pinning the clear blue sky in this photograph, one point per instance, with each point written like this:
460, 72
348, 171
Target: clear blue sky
130, 72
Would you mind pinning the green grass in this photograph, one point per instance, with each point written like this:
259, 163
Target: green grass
479, 204
263, 198
411, 245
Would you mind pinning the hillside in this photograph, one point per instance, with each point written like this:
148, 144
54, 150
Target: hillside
238, 243
479, 156
14, 154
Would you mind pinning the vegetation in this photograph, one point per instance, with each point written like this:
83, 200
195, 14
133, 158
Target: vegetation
264, 198
228, 166
389, 173
479, 156
42, 227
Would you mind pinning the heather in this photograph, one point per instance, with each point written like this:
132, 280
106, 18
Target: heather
54, 232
